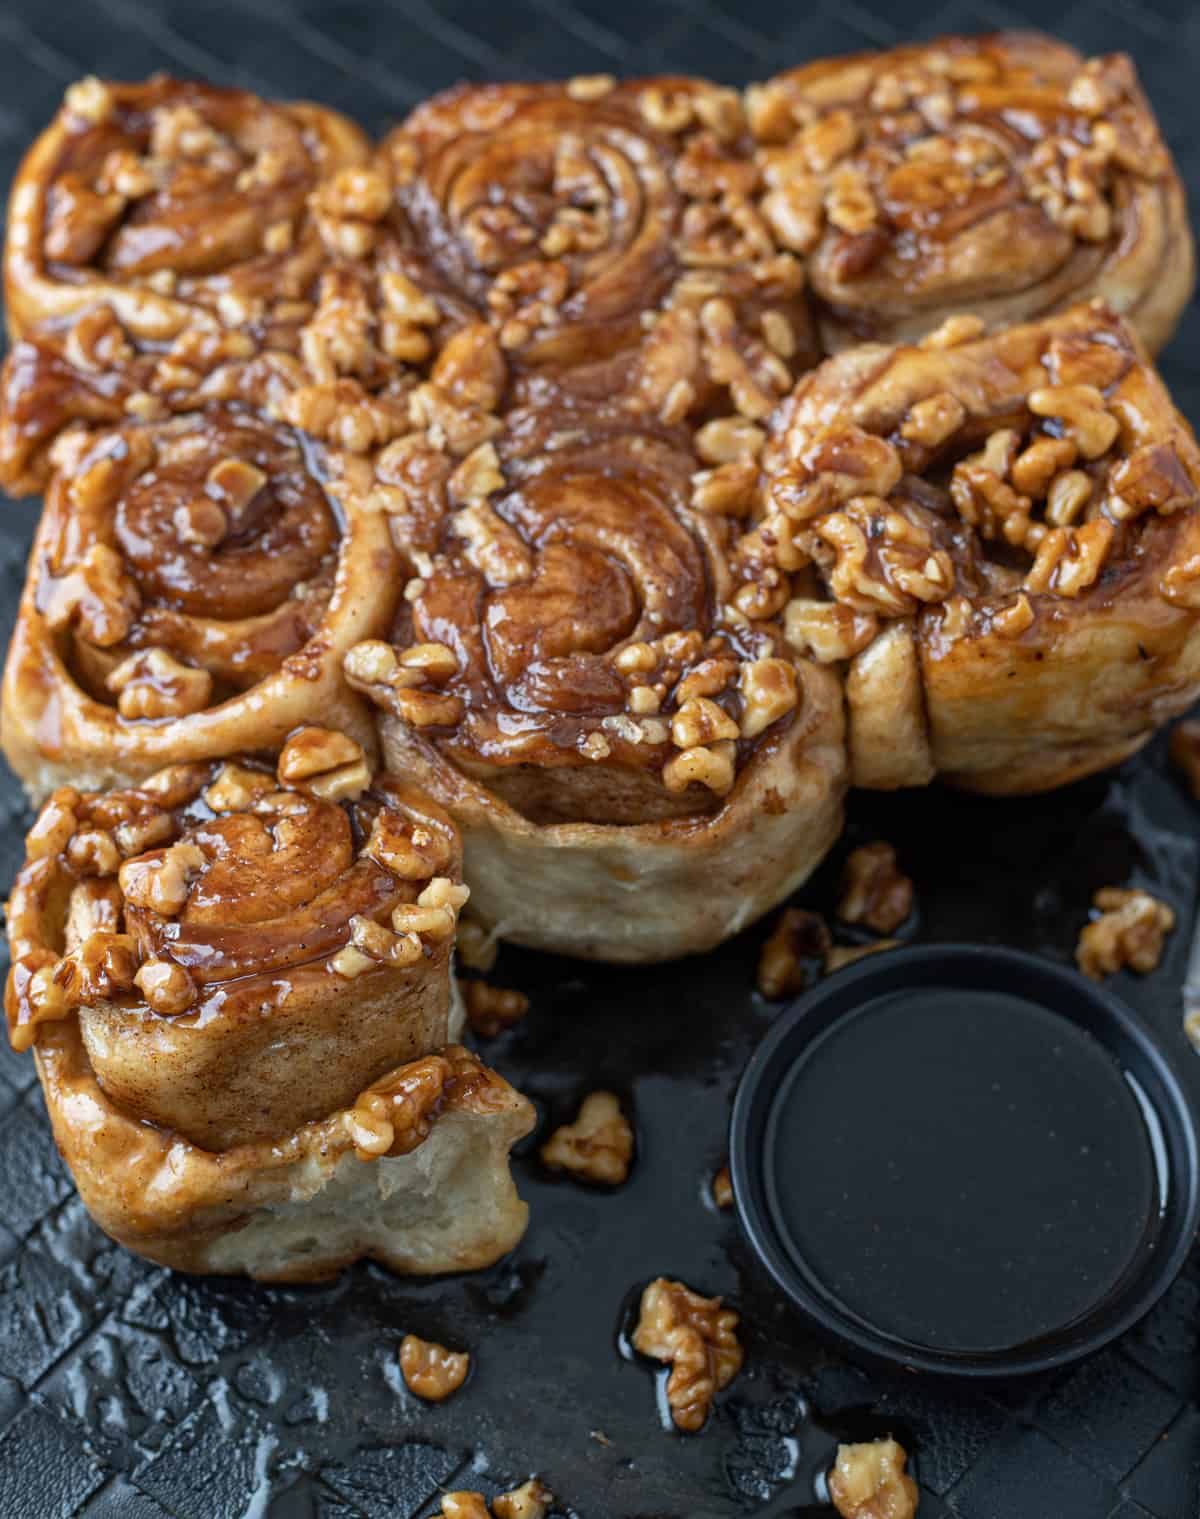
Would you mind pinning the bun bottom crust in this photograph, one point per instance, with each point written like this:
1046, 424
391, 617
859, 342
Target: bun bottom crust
642, 892
299, 1208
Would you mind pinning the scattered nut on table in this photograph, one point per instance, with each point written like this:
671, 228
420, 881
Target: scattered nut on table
598, 1146
722, 1188
868, 1481
529, 1501
430, 1370
1130, 931
875, 891
697, 1338
492, 1009
797, 940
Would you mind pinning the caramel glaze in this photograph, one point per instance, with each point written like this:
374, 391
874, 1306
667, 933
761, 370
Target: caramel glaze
995, 174
227, 582
1054, 644
570, 215
215, 975
168, 198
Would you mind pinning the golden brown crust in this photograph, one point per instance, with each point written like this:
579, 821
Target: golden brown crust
192, 590
301, 1207
178, 204
1026, 504
236, 982
647, 891
1001, 175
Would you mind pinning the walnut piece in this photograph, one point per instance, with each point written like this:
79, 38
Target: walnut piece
329, 765
1129, 932
529, 1501
492, 1009
875, 891
430, 1370
598, 1146
868, 1481
798, 938
722, 1188
697, 1338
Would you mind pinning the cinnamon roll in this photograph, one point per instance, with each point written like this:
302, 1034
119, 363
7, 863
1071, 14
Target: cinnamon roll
236, 980
177, 204
1000, 175
638, 764
998, 538
192, 589
611, 229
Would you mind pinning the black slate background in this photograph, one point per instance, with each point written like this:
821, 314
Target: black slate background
130, 1393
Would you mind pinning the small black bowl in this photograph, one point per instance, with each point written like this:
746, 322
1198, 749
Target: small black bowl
966, 1160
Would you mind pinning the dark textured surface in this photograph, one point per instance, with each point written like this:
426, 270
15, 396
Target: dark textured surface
127, 1393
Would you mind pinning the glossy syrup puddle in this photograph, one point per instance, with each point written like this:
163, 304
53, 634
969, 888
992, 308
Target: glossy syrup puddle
986, 1174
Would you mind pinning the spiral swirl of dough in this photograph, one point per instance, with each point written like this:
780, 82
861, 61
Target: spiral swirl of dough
195, 586
178, 204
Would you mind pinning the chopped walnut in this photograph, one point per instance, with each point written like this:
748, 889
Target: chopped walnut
492, 1009
875, 892
826, 631
697, 1338
770, 690
954, 332
395, 1116
598, 1146
153, 684
1069, 560
701, 721
162, 883
883, 558
1130, 931
412, 853
722, 1188
55, 824
326, 764
933, 421
1083, 411
1185, 755
798, 938
430, 1370
98, 595
529, 1501
711, 766
167, 987
868, 1481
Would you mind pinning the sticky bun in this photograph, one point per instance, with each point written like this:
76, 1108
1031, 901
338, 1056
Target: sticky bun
999, 175
637, 761
192, 590
236, 980
998, 541
177, 204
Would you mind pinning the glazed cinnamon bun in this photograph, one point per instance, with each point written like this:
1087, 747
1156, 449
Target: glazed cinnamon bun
236, 980
637, 762
177, 204
193, 587
610, 229
998, 538
999, 175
